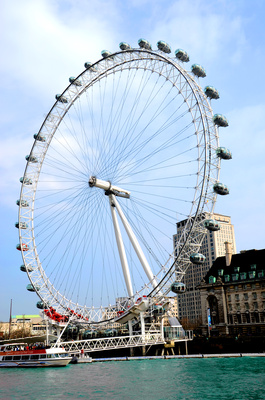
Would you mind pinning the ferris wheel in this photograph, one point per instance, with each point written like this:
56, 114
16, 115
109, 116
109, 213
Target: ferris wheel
129, 149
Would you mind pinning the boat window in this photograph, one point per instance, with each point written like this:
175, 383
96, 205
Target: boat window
34, 357
43, 356
7, 358
25, 357
16, 358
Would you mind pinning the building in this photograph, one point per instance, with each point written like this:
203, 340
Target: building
23, 325
233, 294
189, 302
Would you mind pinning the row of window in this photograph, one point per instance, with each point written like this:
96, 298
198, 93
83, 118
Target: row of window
246, 296
32, 357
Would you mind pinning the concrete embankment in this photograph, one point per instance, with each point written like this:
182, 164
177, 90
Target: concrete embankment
230, 355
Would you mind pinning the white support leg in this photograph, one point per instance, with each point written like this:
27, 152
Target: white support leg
123, 258
135, 244
142, 325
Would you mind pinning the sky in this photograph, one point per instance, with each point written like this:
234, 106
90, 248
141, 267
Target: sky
43, 42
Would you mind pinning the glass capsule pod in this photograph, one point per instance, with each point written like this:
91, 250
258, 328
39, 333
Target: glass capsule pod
40, 305
89, 65
21, 225
39, 137
182, 55
211, 92
163, 46
22, 203
25, 180
220, 120
198, 70
106, 54
75, 81
61, 98
32, 159
24, 269
144, 44
178, 287
224, 153
124, 46
24, 247
197, 258
220, 188
212, 225
30, 288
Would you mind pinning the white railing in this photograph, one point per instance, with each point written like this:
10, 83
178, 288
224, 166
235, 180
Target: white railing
118, 342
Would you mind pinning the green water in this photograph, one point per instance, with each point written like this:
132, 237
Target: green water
225, 378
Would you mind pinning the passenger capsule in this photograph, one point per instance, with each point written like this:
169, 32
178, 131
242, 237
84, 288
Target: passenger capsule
163, 46
220, 120
211, 92
198, 70
40, 305
61, 98
75, 81
182, 55
21, 225
39, 137
24, 247
197, 258
25, 180
144, 44
89, 65
32, 159
224, 153
124, 46
178, 287
22, 203
220, 188
32, 288
212, 225
24, 269
106, 54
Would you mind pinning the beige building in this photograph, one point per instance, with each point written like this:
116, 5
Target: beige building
233, 294
189, 302
23, 325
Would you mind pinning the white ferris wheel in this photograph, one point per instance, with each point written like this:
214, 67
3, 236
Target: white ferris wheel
127, 150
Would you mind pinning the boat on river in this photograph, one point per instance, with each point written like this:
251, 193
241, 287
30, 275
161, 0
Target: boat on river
21, 355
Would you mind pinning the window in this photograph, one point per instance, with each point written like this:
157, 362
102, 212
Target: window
254, 295
246, 306
245, 296
229, 297
34, 357
237, 297
255, 304
237, 306
263, 295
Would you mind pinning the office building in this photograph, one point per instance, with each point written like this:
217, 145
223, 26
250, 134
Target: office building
213, 246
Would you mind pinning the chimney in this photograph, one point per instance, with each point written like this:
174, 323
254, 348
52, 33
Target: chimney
228, 253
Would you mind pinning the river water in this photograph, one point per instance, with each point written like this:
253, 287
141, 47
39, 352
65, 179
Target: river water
163, 379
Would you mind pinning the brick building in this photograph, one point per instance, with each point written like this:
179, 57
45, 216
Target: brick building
233, 294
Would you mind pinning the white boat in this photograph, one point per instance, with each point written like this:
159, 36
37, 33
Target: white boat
20, 355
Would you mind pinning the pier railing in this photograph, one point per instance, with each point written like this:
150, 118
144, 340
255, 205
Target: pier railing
117, 342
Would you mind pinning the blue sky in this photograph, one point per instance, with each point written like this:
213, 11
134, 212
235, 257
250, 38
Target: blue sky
46, 41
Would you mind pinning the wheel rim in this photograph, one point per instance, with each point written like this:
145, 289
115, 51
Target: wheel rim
123, 124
